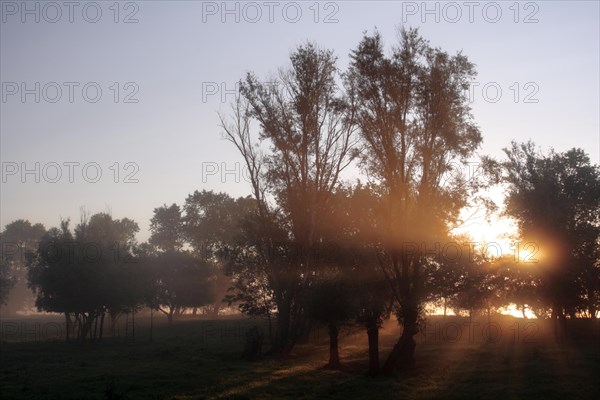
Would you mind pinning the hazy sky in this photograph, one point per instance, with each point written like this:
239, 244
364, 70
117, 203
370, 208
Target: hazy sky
163, 74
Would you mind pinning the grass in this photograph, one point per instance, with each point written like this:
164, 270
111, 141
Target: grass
200, 360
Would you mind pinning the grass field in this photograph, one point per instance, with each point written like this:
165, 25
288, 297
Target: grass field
198, 359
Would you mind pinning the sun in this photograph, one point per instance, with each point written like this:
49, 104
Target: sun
526, 252
495, 236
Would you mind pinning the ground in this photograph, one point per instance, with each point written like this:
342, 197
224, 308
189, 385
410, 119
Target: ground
501, 358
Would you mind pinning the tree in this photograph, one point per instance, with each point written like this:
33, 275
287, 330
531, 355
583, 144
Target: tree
305, 118
212, 222
372, 299
18, 242
256, 265
478, 283
181, 281
555, 199
207, 226
213, 225
7, 282
329, 300
452, 272
518, 282
415, 122
353, 222
166, 227
86, 273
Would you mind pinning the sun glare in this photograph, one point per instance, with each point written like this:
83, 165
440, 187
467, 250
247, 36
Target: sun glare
526, 253
513, 311
495, 237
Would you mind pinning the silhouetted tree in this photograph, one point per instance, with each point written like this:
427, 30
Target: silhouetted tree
7, 281
518, 283
555, 199
18, 241
352, 225
181, 281
214, 227
447, 271
86, 273
166, 227
329, 300
478, 283
304, 117
414, 123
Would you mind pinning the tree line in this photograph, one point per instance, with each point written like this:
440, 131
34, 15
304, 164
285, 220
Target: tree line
307, 246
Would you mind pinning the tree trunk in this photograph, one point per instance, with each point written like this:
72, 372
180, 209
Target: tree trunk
270, 327
334, 355
67, 320
95, 331
557, 318
86, 326
79, 323
402, 355
280, 345
89, 328
151, 323
113, 324
373, 335
215, 310
101, 325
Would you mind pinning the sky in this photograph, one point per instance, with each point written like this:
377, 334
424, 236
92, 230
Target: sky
113, 106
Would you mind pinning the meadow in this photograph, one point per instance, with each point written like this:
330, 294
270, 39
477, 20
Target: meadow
457, 358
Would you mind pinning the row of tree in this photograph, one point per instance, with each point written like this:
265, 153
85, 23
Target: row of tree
405, 120
307, 246
99, 270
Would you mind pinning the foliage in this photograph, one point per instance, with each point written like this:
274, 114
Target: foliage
414, 123
555, 199
18, 241
180, 280
86, 273
305, 118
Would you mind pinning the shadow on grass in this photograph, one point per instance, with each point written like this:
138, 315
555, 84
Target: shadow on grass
184, 366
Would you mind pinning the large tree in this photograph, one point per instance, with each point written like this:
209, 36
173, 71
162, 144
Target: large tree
415, 123
555, 199
307, 122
